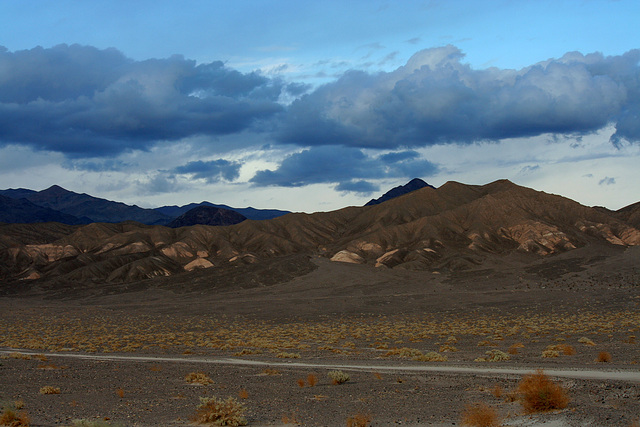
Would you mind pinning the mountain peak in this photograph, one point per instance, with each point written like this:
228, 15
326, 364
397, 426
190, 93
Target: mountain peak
55, 189
413, 185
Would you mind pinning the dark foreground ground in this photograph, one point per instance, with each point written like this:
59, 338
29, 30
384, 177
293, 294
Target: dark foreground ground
572, 308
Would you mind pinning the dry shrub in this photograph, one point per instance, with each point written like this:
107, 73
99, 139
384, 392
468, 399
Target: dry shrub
539, 394
290, 419
120, 393
243, 394
300, 382
285, 355
604, 357
514, 348
377, 375
338, 377
493, 356
404, 352
9, 417
155, 368
480, 415
359, 420
568, 350
16, 355
41, 357
220, 412
447, 348
550, 353
198, 378
270, 371
50, 390
312, 380
431, 356
586, 341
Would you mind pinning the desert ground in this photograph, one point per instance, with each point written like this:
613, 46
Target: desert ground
419, 347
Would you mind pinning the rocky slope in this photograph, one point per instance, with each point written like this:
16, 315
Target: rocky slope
454, 227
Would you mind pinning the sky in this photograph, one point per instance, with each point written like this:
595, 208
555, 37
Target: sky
314, 106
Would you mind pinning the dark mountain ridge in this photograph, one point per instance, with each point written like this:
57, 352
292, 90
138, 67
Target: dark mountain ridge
249, 213
207, 215
73, 208
413, 185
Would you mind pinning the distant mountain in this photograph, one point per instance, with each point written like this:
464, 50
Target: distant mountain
22, 210
413, 185
207, 215
86, 206
249, 213
454, 227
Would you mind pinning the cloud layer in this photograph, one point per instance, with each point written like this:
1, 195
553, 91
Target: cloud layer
437, 99
93, 105
86, 102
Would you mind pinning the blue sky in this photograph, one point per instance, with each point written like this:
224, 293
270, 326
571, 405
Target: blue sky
314, 106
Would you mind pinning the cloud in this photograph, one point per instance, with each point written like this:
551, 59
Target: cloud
362, 188
211, 171
343, 165
437, 99
607, 181
529, 169
87, 102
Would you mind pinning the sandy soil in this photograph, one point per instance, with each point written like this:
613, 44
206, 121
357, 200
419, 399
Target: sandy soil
338, 314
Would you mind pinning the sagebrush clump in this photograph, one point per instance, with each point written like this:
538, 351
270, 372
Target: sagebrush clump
11, 417
218, 412
198, 378
338, 377
539, 394
480, 415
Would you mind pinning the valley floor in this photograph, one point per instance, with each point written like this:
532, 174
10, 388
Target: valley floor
387, 329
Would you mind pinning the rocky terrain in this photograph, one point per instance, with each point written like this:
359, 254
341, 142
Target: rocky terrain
452, 228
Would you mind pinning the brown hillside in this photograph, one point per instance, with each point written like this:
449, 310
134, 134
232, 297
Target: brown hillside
454, 227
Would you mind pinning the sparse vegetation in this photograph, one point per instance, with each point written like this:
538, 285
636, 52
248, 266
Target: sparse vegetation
338, 377
539, 394
494, 356
480, 415
359, 420
312, 380
49, 390
218, 412
198, 378
12, 417
285, 355
604, 357
431, 356
586, 341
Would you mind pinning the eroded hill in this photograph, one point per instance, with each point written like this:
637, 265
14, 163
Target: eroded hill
452, 228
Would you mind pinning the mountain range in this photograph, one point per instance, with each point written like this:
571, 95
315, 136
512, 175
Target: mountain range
452, 228
56, 204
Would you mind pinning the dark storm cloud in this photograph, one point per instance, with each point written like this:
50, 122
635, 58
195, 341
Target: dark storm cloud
437, 99
343, 165
360, 187
211, 171
86, 102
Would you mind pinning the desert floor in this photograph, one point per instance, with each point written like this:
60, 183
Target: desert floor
122, 354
